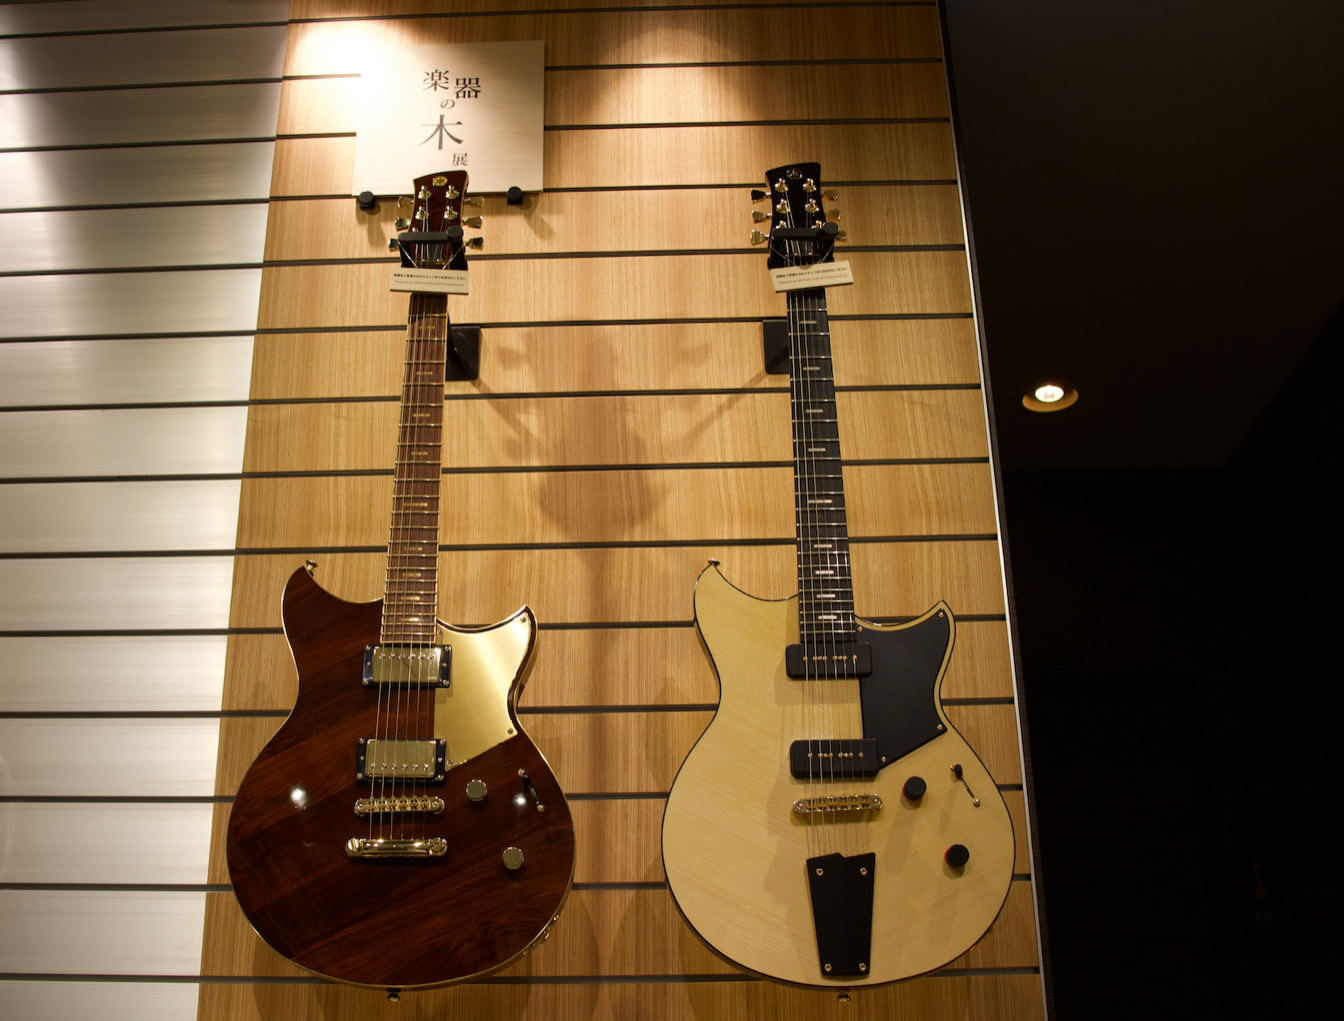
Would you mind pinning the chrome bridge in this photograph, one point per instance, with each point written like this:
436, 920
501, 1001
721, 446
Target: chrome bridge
366, 847
838, 803
387, 806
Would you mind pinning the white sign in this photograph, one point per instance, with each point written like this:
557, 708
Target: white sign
476, 107
819, 274
429, 281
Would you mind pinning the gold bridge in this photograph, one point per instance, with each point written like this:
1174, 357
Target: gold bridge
364, 847
838, 803
417, 803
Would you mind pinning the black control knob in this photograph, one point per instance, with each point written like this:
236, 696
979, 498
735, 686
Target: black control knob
366, 200
915, 787
515, 196
957, 855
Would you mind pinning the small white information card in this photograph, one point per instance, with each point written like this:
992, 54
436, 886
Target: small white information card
429, 281
476, 107
819, 274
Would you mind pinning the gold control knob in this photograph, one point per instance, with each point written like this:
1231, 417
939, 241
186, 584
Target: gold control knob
513, 858
476, 790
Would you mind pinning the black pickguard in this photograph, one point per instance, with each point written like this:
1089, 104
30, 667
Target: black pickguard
899, 697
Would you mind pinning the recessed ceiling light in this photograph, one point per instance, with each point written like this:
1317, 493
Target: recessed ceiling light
1050, 397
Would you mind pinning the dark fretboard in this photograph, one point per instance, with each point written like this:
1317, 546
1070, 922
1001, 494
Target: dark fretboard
411, 593
825, 589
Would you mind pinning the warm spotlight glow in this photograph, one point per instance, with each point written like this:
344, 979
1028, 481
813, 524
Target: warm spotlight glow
1050, 397
1049, 393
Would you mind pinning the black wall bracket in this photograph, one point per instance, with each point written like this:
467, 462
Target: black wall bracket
464, 354
775, 338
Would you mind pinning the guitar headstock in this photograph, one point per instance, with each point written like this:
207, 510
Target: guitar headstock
432, 235
802, 231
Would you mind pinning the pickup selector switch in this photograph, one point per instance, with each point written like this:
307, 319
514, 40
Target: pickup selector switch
957, 855
915, 787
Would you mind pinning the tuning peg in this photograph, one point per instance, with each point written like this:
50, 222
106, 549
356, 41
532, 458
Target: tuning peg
842, 236
452, 193
472, 221
832, 195
782, 206
475, 200
757, 237
757, 216
393, 244
759, 196
809, 185
401, 223
832, 214
475, 242
405, 202
811, 206
780, 186
423, 193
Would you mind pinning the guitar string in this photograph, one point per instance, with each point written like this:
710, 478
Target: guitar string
795, 373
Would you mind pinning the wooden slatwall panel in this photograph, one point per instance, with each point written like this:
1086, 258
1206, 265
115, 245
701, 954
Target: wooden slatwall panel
623, 431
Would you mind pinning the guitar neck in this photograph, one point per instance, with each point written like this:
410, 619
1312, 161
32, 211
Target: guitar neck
825, 588
411, 592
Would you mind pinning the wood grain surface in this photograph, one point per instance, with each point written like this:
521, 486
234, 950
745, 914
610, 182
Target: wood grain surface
589, 290
661, 429
672, 95
668, 219
598, 358
707, 35
594, 427
669, 156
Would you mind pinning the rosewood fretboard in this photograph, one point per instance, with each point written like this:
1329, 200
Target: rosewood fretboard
825, 588
411, 592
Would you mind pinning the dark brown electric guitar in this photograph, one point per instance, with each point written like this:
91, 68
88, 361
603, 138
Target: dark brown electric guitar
400, 829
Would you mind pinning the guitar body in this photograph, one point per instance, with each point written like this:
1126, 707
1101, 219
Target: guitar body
399, 922
735, 852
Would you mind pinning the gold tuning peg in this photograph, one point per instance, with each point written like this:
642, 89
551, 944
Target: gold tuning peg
452, 193
405, 202
832, 214
423, 193
475, 200
759, 196
475, 242
758, 217
832, 195
401, 223
393, 244
842, 236
809, 185
780, 186
472, 221
757, 237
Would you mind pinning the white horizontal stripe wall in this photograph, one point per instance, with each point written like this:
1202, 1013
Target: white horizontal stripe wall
130, 274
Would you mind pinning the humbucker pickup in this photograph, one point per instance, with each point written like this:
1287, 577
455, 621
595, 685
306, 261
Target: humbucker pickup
406, 664
834, 759
403, 760
828, 660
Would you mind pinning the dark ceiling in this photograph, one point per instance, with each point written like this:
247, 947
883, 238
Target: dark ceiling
1156, 207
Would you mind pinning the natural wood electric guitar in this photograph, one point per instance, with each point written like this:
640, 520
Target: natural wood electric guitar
830, 827
400, 829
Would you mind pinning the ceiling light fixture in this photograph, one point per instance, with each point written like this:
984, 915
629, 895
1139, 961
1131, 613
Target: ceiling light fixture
1050, 397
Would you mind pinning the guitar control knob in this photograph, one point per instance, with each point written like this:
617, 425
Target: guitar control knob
476, 790
513, 858
957, 855
366, 200
915, 787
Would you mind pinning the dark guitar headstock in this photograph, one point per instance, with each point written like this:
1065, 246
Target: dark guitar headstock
802, 231
432, 234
